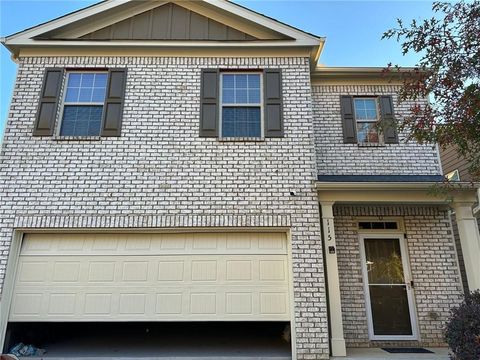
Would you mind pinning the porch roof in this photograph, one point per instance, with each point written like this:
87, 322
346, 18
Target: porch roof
397, 192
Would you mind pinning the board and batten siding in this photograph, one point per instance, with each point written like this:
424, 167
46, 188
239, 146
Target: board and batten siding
452, 160
168, 22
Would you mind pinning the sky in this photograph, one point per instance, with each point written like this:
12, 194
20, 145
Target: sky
353, 29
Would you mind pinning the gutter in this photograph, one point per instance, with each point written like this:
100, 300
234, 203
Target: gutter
375, 185
321, 185
327, 72
13, 52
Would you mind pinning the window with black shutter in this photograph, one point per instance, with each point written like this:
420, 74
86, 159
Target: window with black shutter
368, 120
241, 104
92, 103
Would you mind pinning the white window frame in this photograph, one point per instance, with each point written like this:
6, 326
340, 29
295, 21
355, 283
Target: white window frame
64, 95
261, 104
398, 220
407, 276
376, 121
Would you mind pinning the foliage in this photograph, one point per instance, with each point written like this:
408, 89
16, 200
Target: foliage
449, 72
387, 270
463, 329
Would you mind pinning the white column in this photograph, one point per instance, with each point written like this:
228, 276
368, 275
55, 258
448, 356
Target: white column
470, 241
335, 304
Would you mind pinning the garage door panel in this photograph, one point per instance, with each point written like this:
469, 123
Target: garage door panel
156, 304
239, 303
66, 271
100, 271
273, 303
128, 286
27, 304
155, 244
134, 271
98, 303
169, 303
62, 303
33, 271
166, 305
239, 270
171, 270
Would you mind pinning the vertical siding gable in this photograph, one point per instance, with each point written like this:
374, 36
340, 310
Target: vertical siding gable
168, 22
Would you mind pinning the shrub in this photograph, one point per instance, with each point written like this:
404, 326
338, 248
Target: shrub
462, 332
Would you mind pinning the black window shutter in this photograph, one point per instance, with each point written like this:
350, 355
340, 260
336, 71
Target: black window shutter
49, 99
209, 103
114, 99
348, 120
273, 103
389, 125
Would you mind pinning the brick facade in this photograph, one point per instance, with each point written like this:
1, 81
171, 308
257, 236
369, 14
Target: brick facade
433, 264
336, 158
160, 169
160, 174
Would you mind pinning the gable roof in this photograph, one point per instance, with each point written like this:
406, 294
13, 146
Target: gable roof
168, 22
172, 24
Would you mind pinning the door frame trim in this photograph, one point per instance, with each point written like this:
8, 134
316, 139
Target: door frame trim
8, 283
408, 278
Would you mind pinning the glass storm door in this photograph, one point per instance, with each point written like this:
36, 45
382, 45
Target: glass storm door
388, 290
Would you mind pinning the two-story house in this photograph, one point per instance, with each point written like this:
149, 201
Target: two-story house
188, 162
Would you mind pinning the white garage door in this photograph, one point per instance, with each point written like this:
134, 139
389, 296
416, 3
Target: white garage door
152, 277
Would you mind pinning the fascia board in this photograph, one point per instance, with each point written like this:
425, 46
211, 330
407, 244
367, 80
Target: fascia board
65, 20
321, 185
241, 52
223, 16
394, 192
263, 20
168, 43
357, 72
112, 19
250, 16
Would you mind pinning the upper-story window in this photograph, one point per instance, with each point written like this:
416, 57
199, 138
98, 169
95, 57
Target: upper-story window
241, 105
367, 119
83, 103
90, 102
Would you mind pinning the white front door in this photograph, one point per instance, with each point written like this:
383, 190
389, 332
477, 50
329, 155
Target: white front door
388, 287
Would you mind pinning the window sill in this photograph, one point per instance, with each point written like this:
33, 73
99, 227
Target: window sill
371, 145
76, 138
241, 139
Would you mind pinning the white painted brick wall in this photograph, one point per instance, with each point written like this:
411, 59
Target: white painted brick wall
336, 158
433, 265
160, 172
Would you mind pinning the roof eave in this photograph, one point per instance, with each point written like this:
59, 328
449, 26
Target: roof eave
378, 185
235, 9
14, 44
321, 72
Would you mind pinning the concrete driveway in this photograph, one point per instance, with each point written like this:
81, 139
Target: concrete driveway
379, 354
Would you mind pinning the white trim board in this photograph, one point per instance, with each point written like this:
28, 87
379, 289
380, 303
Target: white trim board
247, 16
407, 276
